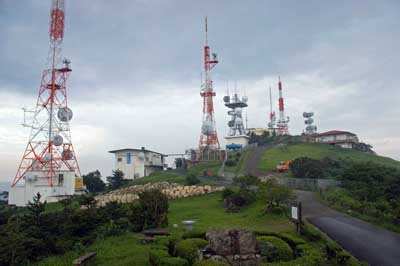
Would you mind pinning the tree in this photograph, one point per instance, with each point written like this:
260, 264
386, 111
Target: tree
305, 167
36, 209
93, 182
116, 180
154, 205
191, 179
275, 195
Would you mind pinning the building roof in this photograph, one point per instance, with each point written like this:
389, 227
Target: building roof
142, 149
334, 132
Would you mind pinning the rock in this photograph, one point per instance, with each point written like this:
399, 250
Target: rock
237, 246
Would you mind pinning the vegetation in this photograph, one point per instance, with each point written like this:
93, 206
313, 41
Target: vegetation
158, 177
237, 162
93, 182
275, 196
191, 179
274, 155
205, 168
188, 248
274, 249
116, 180
371, 192
154, 206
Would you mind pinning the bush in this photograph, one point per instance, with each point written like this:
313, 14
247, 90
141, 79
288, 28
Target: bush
311, 233
305, 167
191, 179
274, 249
210, 263
156, 255
227, 192
154, 205
230, 163
169, 243
136, 217
194, 234
173, 261
188, 249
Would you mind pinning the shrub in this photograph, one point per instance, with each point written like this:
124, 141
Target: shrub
136, 217
275, 196
227, 192
274, 249
154, 205
173, 261
191, 179
210, 263
194, 234
311, 233
231, 163
156, 255
305, 167
188, 249
169, 243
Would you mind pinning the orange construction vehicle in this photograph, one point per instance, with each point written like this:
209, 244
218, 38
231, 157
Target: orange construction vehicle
283, 166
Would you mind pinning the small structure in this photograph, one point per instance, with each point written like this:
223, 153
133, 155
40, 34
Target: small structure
309, 121
259, 131
339, 138
237, 132
138, 163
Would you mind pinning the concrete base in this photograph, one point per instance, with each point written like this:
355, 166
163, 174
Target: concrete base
239, 140
36, 182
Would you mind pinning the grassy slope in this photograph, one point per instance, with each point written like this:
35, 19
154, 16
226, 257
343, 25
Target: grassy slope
206, 210
199, 168
274, 155
239, 168
158, 177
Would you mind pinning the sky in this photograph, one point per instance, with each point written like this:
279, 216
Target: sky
137, 70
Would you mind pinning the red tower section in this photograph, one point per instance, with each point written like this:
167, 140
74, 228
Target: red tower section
50, 150
209, 148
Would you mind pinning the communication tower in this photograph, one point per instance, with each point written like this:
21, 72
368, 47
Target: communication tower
308, 120
209, 148
236, 104
283, 121
49, 165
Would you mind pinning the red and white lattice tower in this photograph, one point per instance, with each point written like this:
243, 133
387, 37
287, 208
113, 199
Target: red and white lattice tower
283, 121
49, 156
209, 147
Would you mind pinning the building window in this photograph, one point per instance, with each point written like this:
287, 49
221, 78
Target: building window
119, 159
128, 157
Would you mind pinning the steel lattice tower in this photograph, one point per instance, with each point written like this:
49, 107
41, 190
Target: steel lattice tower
208, 139
283, 121
50, 150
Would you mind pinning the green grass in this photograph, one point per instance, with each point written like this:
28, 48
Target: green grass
199, 168
274, 155
239, 168
206, 210
114, 251
158, 177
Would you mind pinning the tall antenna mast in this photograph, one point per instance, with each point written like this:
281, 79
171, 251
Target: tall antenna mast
272, 117
209, 148
49, 157
283, 128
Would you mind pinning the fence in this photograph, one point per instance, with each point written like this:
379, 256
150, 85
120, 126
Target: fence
309, 184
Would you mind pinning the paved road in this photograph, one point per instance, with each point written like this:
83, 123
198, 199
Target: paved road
365, 241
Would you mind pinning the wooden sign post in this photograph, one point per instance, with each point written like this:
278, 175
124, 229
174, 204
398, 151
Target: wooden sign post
296, 215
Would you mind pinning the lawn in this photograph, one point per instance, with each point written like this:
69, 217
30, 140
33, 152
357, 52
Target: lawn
206, 210
274, 155
156, 177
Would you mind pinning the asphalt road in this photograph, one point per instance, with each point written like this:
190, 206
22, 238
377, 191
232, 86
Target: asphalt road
377, 246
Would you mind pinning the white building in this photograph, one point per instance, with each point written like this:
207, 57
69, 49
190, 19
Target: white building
64, 184
339, 138
137, 163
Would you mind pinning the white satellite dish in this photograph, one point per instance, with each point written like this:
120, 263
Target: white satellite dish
64, 114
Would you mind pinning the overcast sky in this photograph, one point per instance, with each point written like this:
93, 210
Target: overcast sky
137, 63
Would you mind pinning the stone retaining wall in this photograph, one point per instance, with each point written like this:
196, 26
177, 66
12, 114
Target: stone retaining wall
171, 190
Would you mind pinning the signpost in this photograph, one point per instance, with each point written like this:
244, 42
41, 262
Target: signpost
296, 214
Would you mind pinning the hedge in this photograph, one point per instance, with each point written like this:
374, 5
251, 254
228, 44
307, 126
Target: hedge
274, 249
194, 234
188, 249
210, 263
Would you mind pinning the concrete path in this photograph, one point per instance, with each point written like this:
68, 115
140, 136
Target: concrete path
379, 247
